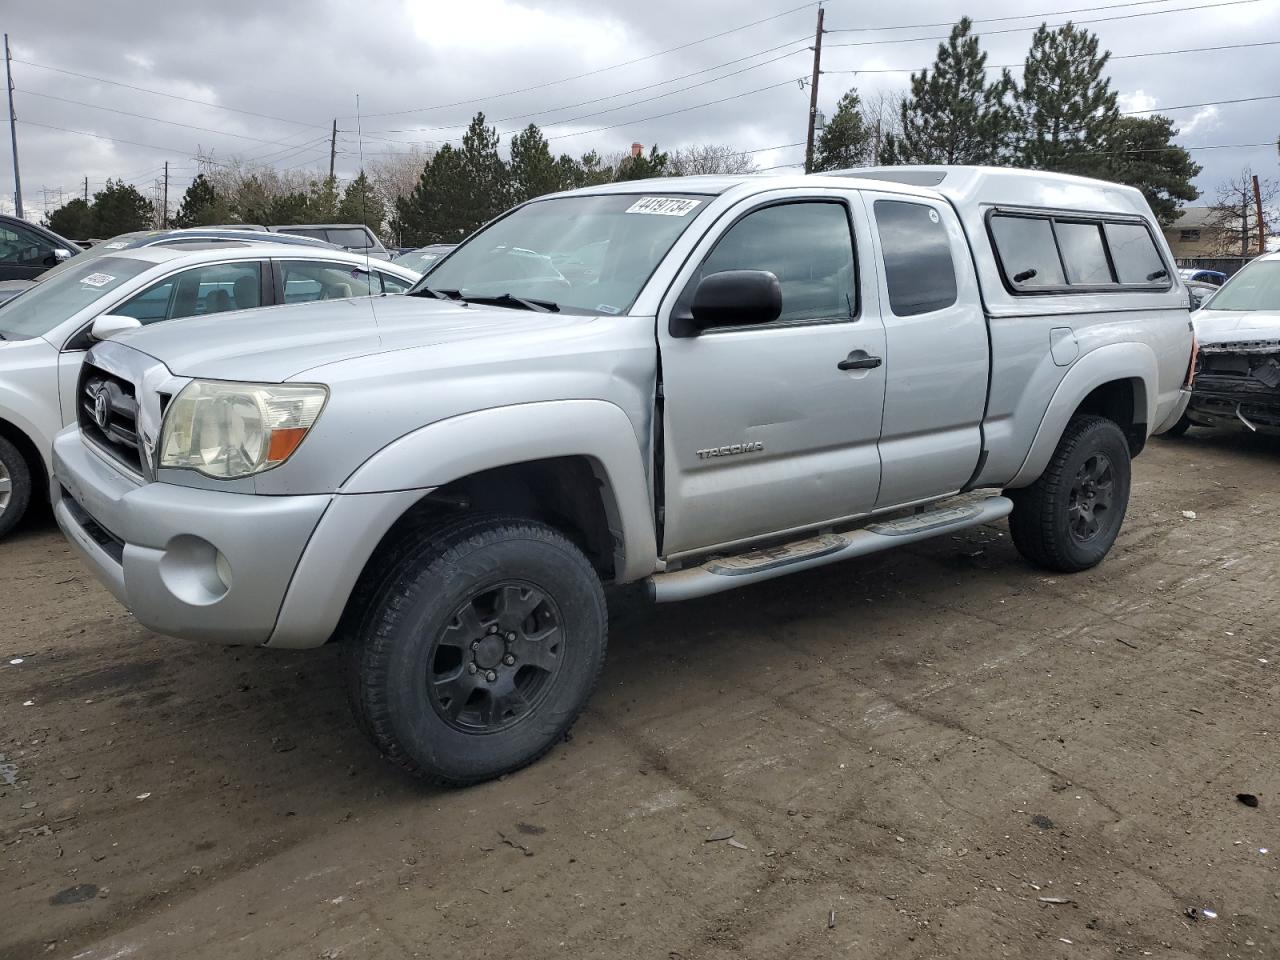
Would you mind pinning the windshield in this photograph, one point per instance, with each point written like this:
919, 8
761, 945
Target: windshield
1256, 287
585, 254
122, 242
419, 260
49, 302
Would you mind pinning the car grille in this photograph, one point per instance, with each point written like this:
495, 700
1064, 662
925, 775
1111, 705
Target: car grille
115, 431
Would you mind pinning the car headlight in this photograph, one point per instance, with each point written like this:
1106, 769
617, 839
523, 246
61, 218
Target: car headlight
227, 430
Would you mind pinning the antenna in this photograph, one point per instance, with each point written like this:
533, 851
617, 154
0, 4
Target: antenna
364, 214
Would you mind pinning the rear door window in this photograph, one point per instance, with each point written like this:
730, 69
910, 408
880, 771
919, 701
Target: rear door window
1027, 252
1083, 253
918, 269
1135, 254
349, 237
304, 281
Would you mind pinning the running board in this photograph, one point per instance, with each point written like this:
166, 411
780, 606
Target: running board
726, 573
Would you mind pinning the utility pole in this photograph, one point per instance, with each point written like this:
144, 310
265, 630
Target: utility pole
1244, 224
13, 130
813, 93
86, 189
1257, 206
164, 215
333, 146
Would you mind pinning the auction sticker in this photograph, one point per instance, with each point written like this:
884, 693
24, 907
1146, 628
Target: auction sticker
98, 279
664, 206
114, 245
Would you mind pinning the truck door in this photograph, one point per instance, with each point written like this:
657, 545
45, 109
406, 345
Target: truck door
937, 349
772, 427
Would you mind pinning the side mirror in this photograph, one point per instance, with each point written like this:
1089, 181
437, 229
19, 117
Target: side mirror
107, 326
62, 253
733, 298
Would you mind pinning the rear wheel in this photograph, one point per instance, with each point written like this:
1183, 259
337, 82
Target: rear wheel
1069, 518
15, 486
479, 649
1181, 427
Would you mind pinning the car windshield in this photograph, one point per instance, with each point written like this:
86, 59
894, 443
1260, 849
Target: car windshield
50, 302
586, 254
122, 242
418, 260
1256, 287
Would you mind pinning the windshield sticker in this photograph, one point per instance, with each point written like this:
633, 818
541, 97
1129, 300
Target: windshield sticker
608, 308
664, 206
114, 245
98, 279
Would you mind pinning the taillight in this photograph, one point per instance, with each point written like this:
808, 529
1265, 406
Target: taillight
1195, 355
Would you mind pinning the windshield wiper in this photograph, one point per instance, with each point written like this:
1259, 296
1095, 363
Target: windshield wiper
510, 300
438, 294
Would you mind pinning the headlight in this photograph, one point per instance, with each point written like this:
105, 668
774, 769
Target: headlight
228, 430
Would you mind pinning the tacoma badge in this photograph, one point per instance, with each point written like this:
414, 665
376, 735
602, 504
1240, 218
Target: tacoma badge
732, 450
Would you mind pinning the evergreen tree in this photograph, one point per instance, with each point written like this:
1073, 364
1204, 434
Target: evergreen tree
591, 170
1141, 154
362, 204
201, 205
641, 167
73, 220
484, 186
285, 209
846, 140
953, 114
120, 208
432, 212
322, 201
1065, 108
533, 170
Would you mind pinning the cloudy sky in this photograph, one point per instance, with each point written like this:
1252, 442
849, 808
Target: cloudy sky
266, 80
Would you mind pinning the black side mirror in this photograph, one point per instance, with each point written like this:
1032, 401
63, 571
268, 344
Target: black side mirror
729, 299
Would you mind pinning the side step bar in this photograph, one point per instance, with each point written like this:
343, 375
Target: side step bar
726, 573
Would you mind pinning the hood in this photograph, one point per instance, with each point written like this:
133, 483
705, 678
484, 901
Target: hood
279, 343
1235, 326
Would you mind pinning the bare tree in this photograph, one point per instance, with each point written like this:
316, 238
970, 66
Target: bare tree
394, 175
882, 114
709, 158
1234, 217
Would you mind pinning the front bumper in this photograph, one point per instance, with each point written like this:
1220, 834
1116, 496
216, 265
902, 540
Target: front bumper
156, 546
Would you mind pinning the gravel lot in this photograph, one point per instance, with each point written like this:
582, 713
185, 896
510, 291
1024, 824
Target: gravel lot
913, 752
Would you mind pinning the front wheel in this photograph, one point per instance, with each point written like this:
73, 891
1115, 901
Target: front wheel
15, 486
479, 650
1069, 518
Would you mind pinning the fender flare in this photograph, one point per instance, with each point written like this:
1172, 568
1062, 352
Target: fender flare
447, 450
11, 403
1115, 361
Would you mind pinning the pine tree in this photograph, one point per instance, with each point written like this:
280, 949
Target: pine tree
591, 170
953, 114
533, 170
485, 186
322, 201
201, 205
1065, 108
361, 204
846, 140
1141, 154
120, 208
73, 220
641, 167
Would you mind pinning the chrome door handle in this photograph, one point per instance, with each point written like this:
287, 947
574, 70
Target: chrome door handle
859, 360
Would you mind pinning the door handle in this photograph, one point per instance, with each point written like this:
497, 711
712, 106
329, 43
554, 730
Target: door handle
859, 360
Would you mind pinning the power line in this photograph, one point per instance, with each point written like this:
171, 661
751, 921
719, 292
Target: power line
141, 116
162, 93
99, 136
1207, 103
991, 33
1016, 16
591, 73
1121, 56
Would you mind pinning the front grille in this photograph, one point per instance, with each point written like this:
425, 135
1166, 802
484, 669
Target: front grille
108, 415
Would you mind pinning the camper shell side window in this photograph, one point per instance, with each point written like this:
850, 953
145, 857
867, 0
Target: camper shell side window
1063, 252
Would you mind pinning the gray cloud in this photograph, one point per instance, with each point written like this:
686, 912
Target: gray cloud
305, 61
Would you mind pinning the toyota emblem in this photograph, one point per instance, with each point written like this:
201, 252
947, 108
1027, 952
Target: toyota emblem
101, 408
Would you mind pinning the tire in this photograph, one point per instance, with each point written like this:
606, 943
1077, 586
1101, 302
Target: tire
15, 486
1055, 523
513, 598
1179, 428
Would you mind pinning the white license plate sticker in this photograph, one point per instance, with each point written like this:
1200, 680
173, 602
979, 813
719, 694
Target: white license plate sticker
664, 206
98, 279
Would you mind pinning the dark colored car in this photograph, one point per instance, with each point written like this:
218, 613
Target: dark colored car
1214, 278
355, 237
28, 250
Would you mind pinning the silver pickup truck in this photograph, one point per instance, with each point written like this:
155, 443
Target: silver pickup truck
696, 383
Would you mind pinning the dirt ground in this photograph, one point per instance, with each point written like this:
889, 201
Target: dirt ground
913, 752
